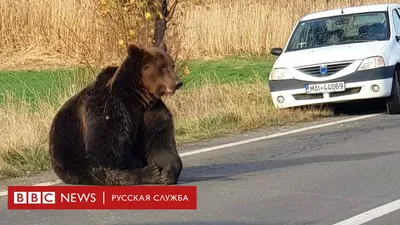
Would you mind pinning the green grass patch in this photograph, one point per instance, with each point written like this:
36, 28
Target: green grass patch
34, 86
228, 70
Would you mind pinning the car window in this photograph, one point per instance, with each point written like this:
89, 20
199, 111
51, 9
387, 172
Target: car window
396, 21
338, 30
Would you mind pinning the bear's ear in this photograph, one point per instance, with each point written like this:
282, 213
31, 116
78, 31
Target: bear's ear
135, 52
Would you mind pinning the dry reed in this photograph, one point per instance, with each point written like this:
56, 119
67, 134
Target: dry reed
55, 33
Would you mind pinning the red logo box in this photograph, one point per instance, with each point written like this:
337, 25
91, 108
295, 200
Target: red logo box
102, 197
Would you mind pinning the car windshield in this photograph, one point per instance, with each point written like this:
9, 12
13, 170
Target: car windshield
338, 30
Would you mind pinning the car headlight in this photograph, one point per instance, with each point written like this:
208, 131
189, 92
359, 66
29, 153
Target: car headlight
372, 63
280, 74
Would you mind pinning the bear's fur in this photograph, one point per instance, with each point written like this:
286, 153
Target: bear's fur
117, 130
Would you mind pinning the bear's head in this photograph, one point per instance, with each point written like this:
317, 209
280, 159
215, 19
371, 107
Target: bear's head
158, 73
151, 68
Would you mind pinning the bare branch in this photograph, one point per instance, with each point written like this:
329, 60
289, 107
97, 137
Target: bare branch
172, 11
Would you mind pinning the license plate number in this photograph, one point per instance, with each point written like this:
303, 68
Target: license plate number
325, 88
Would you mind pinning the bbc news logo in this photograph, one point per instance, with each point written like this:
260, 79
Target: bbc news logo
23, 197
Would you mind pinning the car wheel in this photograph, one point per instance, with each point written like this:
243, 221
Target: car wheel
393, 101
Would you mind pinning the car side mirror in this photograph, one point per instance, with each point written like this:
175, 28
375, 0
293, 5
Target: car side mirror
397, 38
276, 51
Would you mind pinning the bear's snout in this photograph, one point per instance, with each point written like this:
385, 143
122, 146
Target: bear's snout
178, 85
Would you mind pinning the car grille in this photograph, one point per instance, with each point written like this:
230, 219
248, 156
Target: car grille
348, 91
308, 96
332, 69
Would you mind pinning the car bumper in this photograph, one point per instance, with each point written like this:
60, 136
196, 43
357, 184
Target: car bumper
358, 86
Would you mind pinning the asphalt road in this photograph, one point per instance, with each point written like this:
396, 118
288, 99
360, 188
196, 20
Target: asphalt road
321, 176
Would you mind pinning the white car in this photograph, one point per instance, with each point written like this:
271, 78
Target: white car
338, 56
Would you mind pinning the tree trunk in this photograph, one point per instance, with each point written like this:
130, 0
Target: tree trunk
161, 24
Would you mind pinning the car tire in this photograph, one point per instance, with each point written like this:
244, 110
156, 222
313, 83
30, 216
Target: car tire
393, 101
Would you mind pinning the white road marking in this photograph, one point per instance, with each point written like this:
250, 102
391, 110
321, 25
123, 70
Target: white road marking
371, 214
276, 135
199, 151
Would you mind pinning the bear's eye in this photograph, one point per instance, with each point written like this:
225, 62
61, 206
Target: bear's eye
164, 65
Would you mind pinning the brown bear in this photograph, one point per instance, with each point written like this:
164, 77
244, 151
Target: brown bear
117, 130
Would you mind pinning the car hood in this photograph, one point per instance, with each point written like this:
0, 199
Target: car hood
330, 54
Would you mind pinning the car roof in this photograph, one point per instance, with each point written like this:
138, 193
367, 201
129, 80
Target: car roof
348, 10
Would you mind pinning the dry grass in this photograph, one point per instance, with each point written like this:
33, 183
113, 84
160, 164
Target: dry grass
203, 112
52, 33
25, 129
32, 31
212, 110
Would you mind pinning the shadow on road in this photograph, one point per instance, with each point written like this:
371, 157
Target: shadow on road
188, 223
360, 107
228, 170
217, 223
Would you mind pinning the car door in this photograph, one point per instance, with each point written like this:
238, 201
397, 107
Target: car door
396, 21
393, 53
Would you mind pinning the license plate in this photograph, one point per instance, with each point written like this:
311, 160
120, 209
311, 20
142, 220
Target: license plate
325, 88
